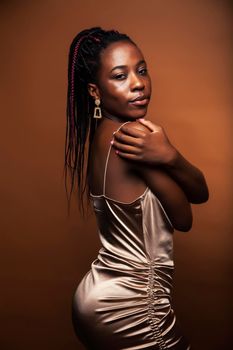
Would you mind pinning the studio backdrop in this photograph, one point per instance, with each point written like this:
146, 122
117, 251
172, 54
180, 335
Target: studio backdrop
44, 253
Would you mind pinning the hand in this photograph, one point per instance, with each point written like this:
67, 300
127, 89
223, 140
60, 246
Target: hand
146, 143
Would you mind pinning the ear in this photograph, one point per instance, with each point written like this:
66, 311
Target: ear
93, 91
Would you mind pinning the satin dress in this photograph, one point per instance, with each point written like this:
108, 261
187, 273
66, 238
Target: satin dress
124, 301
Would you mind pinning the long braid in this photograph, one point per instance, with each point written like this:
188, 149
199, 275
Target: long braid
84, 63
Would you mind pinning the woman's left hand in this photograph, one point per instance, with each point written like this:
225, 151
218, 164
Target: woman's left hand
152, 148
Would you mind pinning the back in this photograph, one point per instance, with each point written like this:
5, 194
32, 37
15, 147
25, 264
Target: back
111, 175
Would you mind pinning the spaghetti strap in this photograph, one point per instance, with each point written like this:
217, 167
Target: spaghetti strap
107, 159
105, 168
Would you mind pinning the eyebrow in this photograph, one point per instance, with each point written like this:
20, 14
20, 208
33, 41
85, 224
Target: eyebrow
124, 66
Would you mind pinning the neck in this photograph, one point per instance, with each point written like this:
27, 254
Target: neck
115, 118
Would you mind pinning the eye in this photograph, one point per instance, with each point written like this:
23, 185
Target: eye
143, 71
120, 76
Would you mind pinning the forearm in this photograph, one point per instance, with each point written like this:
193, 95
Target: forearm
147, 143
188, 177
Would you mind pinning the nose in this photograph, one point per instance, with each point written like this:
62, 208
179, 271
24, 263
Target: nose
137, 82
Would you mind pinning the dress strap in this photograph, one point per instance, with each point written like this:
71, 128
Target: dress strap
107, 159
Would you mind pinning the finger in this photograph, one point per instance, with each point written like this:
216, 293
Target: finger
128, 156
126, 139
149, 124
133, 132
120, 147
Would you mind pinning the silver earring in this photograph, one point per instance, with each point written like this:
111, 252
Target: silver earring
97, 110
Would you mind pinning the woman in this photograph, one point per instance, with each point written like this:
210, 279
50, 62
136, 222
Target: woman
141, 188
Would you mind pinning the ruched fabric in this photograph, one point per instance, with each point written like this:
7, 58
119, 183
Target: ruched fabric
124, 301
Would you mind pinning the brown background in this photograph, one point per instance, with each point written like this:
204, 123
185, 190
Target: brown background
43, 253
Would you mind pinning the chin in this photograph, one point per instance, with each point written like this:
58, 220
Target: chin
141, 114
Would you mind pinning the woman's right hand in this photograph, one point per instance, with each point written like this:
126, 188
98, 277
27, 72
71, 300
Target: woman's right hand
138, 144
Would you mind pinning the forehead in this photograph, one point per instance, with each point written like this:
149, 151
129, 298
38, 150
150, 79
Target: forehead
120, 53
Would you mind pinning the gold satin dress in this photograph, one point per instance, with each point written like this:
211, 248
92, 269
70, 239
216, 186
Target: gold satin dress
124, 301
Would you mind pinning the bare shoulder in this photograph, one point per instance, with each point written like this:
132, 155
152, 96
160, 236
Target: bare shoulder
135, 125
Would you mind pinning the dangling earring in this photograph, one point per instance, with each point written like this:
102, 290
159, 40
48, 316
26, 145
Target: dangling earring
97, 110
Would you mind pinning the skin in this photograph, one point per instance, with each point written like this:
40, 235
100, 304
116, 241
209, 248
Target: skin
122, 78
154, 148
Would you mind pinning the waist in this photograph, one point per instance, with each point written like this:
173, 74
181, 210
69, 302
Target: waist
125, 263
157, 275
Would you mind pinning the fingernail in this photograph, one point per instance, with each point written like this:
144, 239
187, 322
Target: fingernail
141, 119
117, 152
111, 142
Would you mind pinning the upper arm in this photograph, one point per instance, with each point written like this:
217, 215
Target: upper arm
170, 195
166, 190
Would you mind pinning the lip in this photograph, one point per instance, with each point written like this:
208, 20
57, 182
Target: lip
140, 100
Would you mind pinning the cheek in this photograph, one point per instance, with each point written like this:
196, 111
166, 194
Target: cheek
112, 94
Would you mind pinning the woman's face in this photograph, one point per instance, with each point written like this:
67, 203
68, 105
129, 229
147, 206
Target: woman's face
123, 82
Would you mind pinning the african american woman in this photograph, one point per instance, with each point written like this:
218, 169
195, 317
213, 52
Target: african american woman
140, 187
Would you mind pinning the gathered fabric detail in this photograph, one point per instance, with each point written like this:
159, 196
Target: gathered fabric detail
124, 301
154, 292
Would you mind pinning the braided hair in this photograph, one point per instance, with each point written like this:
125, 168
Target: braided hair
83, 66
